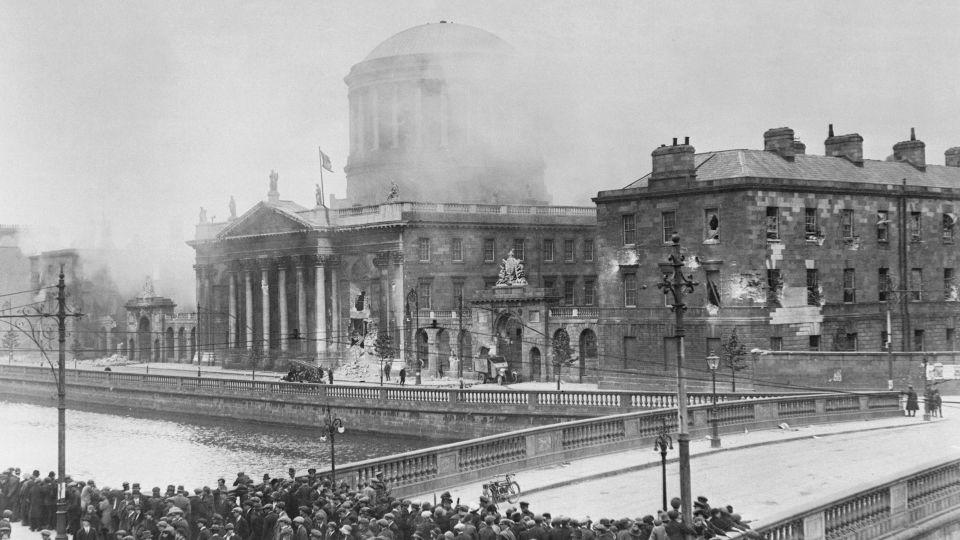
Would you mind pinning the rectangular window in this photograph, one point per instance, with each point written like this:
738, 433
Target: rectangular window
849, 285
568, 288
489, 249
946, 232
518, 248
589, 292
918, 340
711, 225
773, 223
568, 250
630, 290
883, 284
810, 229
852, 342
774, 287
846, 224
814, 343
949, 339
883, 226
776, 343
458, 294
456, 249
713, 287
629, 229
950, 293
423, 295
424, 249
916, 284
548, 250
669, 222
588, 249
813, 287
916, 232
549, 282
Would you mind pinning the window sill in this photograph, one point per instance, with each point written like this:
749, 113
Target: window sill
774, 240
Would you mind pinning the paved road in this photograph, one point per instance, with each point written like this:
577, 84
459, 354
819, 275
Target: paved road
768, 473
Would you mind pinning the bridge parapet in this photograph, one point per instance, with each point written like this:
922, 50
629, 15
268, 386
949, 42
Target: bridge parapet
922, 500
441, 467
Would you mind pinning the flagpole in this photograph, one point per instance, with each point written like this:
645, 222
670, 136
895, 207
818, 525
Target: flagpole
323, 196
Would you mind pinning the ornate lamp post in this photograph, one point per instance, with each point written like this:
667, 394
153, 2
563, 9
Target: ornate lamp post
713, 361
332, 426
675, 283
663, 443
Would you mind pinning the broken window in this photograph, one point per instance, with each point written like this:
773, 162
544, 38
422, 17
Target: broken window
713, 287
946, 233
774, 287
711, 225
813, 287
810, 229
915, 227
883, 284
883, 226
773, 223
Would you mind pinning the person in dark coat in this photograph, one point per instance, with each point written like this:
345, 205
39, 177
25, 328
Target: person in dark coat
36, 503
86, 530
912, 403
403, 376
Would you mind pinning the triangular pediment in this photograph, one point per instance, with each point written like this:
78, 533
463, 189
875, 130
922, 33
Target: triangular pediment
265, 219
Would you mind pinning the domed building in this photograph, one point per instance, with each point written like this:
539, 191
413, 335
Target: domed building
445, 197
435, 109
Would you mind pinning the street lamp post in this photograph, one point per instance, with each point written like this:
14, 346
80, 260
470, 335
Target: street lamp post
675, 283
926, 391
332, 427
713, 361
662, 443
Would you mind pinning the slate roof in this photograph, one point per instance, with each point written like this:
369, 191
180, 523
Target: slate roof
762, 164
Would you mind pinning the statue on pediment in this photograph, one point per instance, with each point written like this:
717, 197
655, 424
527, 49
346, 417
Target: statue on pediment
148, 291
511, 272
394, 193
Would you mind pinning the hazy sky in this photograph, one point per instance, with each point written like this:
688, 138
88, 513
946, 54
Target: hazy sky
140, 112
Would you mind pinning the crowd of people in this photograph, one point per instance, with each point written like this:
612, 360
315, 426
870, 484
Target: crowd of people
310, 507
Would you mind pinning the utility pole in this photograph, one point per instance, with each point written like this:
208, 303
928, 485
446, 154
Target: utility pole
62, 406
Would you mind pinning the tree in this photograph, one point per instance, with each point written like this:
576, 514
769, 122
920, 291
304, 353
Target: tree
383, 346
733, 355
10, 342
562, 353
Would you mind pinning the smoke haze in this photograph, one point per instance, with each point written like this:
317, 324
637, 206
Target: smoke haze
130, 116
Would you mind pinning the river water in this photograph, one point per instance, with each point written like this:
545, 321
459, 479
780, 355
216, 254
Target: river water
159, 450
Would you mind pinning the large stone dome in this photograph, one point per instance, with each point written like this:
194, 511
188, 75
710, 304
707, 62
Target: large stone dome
440, 38
437, 110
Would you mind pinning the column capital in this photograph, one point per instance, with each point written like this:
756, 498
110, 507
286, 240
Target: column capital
328, 260
265, 263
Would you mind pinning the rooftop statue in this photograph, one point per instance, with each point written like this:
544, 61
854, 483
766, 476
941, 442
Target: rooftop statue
511, 272
148, 291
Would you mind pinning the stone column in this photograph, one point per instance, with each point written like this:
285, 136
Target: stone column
320, 298
282, 303
335, 307
248, 289
301, 305
265, 306
232, 316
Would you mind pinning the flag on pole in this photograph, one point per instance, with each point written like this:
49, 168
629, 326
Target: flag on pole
325, 161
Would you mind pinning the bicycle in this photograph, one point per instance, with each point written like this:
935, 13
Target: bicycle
505, 489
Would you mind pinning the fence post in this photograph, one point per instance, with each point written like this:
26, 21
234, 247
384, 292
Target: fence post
814, 527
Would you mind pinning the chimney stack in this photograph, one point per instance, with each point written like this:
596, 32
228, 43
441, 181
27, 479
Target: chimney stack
952, 156
912, 151
849, 146
674, 162
780, 141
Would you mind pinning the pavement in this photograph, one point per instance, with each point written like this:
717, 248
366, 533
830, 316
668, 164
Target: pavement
758, 473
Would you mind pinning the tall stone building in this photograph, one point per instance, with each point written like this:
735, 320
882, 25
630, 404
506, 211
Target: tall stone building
441, 186
793, 251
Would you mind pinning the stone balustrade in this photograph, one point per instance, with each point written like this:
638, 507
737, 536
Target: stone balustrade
914, 504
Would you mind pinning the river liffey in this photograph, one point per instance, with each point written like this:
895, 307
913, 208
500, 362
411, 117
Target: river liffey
157, 450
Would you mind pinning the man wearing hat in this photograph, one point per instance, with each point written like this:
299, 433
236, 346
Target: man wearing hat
86, 531
240, 526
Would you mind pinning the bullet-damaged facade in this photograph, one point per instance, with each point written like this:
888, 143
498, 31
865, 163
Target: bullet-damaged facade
793, 251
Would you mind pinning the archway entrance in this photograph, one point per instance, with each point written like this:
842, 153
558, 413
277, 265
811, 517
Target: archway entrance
144, 340
588, 351
535, 362
510, 341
